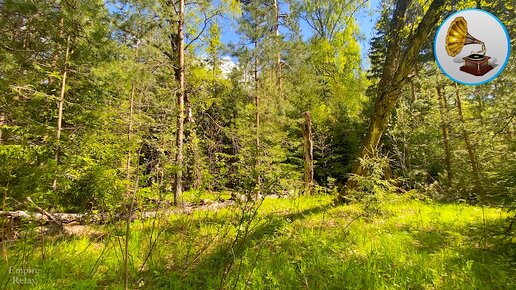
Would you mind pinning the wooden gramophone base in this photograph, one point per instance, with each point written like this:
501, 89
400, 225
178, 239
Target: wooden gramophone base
475, 71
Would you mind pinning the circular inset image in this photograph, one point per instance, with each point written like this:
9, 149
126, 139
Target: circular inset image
472, 47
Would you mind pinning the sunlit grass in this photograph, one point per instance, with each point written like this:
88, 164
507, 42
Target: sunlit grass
293, 243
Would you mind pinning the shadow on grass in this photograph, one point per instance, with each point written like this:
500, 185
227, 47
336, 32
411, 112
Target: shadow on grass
445, 256
482, 258
207, 273
434, 239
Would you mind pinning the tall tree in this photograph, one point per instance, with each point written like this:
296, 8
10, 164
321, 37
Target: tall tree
308, 153
277, 16
444, 113
60, 106
467, 142
2, 119
180, 78
257, 118
255, 26
398, 64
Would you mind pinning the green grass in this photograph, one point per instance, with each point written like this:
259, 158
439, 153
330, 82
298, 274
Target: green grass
305, 243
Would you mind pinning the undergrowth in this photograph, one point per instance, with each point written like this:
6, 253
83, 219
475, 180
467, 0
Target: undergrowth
305, 242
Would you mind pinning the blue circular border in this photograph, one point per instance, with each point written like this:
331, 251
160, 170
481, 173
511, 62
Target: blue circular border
506, 58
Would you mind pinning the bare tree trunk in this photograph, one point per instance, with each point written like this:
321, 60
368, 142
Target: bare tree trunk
257, 119
194, 145
6, 229
197, 162
56, 54
60, 109
398, 65
130, 195
2, 119
481, 106
278, 56
308, 153
412, 91
180, 77
407, 167
129, 132
469, 147
443, 110
403, 152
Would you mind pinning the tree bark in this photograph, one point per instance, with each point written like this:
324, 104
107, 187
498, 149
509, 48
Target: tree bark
60, 108
194, 146
444, 112
180, 77
130, 195
257, 120
308, 153
130, 132
6, 233
278, 56
396, 68
2, 119
469, 147
412, 91
44, 212
56, 54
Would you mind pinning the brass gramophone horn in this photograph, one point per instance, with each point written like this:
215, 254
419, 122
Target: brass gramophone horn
458, 36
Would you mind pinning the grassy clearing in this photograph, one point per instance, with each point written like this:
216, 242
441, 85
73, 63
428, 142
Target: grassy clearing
292, 243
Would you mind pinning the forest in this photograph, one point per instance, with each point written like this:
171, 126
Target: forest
250, 144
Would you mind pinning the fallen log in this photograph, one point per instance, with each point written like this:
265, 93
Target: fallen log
70, 223
100, 218
47, 214
62, 217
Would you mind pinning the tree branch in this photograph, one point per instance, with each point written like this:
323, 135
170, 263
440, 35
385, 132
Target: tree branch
207, 20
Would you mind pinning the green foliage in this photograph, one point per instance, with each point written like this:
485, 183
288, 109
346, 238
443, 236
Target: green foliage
96, 186
118, 137
375, 182
25, 170
293, 243
120, 49
375, 189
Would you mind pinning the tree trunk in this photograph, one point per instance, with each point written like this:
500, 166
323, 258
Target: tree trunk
278, 56
130, 195
130, 131
197, 161
180, 77
2, 119
308, 153
5, 234
194, 144
443, 110
396, 68
60, 109
257, 120
481, 106
56, 53
412, 91
469, 147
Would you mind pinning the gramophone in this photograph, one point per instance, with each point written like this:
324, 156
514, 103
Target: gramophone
477, 63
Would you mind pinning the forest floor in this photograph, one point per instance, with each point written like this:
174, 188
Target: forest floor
302, 243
